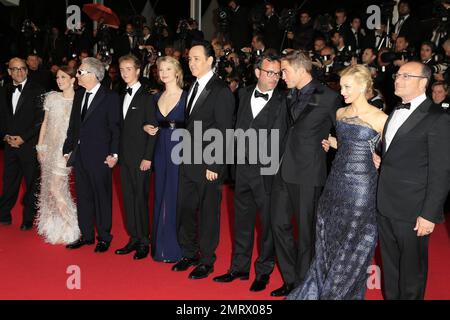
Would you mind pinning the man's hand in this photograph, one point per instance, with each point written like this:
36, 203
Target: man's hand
211, 176
151, 130
145, 165
439, 76
111, 161
317, 63
423, 227
15, 141
326, 145
376, 160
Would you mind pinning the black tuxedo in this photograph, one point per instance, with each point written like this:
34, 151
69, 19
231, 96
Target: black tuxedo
298, 183
214, 110
252, 190
411, 29
414, 181
89, 142
136, 145
21, 162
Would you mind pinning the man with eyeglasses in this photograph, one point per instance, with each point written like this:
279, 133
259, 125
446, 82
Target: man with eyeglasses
303, 169
262, 107
21, 116
92, 147
413, 183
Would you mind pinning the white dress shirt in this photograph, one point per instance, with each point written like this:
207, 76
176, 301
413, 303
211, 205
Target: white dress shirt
16, 96
91, 97
400, 116
259, 103
127, 99
202, 82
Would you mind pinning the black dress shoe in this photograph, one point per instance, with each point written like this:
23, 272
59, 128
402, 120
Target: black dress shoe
26, 226
230, 276
141, 252
260, 283
201, 271
79, 243
130, 247
184, 264
282, 291
102, 246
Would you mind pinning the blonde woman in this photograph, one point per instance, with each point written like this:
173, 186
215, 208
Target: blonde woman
346, 229
170, 109
57, 216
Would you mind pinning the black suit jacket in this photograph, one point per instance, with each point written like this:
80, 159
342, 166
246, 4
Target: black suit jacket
214, 109
135, 144
272, 117
27, 120
98, 135
304, 161
412, 30
414, 176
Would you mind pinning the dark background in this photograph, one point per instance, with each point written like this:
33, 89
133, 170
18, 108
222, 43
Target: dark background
52, 12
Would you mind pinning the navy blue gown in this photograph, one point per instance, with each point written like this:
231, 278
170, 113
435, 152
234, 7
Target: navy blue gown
346, 228
165, 245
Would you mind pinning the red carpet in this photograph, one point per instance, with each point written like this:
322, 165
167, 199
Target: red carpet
31, 269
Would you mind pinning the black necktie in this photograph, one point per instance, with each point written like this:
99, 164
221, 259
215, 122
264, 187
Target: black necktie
18, 87
258, 94
130, 91
403, 106
191, 100
85, 105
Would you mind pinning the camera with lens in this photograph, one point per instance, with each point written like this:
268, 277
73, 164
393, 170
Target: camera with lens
345, 56
287, 19
391, 56
223, 18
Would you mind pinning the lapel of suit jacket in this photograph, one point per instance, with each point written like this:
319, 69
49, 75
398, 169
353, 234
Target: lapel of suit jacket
273, 108
22, 97
201, 99
95, 102
383, 139
315, 100
9, 95
411, 122
246, 105
135, 98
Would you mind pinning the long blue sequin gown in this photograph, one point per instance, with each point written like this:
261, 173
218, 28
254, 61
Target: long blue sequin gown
165, 245
346, 229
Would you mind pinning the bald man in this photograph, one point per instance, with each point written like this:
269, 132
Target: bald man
22, 116
413, 183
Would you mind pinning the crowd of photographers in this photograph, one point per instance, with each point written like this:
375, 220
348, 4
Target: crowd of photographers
245, 33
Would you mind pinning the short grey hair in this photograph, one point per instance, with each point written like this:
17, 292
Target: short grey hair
95, 66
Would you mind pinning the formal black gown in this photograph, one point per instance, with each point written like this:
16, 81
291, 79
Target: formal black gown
165, 245
346, 229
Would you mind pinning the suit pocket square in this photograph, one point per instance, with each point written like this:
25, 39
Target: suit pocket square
133, 108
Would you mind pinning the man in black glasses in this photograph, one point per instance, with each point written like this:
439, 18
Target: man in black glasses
262, 109
92, 147
413, 184
20, 120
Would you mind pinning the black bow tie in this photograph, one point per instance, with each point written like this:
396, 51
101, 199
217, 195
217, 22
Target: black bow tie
129, 91
403, 106
18, 87
258, 94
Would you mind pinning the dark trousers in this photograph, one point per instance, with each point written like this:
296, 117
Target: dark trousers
249, 196
199, 202
15, 168
404, 258
93, 187
300, 201
135, 190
